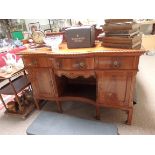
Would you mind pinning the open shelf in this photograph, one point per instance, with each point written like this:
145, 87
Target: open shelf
80, 90
20, 83
78, 87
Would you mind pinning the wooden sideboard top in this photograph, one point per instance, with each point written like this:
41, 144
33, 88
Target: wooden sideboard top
98, 49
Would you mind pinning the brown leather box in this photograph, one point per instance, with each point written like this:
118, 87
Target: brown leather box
80, 37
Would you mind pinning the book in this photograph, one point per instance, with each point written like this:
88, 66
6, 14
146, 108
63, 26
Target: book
126, 40
120, 26
118, 20
123, 33
127, 46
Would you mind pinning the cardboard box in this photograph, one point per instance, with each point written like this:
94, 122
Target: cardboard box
80, 37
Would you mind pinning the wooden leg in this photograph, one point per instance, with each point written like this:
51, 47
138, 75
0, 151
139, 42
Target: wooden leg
36, 102
3, 102
97, 113
59, 107
16, 96
18, 101
129, 119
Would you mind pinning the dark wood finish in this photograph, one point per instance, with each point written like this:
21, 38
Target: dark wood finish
100, 76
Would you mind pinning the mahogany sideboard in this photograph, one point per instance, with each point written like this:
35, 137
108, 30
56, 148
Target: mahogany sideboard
104, 77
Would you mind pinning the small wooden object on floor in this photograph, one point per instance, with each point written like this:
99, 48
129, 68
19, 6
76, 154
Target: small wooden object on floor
22, 114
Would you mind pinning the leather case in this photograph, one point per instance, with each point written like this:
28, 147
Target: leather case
80, 37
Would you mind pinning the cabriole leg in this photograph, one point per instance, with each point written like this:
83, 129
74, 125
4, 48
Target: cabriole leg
59, 107
36, 102
97, 113
129, 119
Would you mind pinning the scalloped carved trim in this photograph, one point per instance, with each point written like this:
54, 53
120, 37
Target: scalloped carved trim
73, 75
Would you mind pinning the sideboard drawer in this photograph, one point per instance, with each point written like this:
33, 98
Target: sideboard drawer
35, 62
73, 64
116, 62
42, 62
29, 62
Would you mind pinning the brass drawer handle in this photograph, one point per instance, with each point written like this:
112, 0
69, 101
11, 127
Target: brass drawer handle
82, 65
34, 63
79, 65
116, 64
29, 65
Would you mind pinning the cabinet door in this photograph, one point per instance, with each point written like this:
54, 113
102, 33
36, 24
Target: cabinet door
114, 88
45, 83
42, 82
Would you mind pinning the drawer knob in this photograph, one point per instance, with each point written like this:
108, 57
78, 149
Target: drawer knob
82, 64
34, 63
79, 65
116, 64
30, 64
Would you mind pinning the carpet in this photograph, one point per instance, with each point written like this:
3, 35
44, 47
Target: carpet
53, 123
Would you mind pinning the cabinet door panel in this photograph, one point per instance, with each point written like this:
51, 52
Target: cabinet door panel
113, 88
44, 82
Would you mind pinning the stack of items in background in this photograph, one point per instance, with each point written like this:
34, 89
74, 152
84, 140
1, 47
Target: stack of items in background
122, 33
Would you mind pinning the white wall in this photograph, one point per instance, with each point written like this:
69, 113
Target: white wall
146, 28
148, 42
